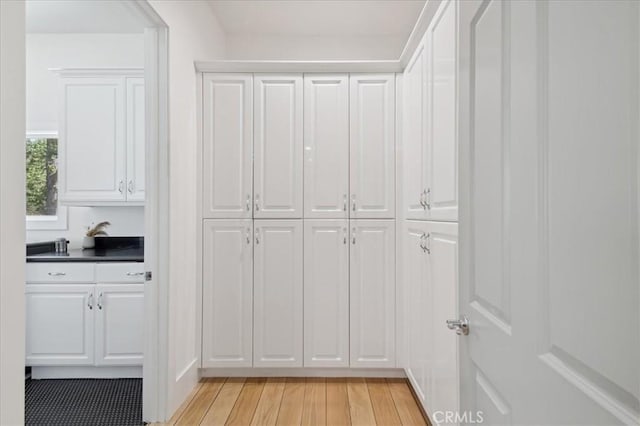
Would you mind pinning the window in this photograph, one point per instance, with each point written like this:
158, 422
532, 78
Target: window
43, 211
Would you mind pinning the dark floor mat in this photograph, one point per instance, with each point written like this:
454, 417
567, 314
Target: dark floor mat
85, 402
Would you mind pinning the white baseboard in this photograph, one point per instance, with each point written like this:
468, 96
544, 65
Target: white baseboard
66, 372
302, 372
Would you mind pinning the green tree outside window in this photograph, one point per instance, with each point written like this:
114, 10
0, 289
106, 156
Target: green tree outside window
42, 176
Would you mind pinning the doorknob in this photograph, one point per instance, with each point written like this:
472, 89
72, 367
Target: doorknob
461, 326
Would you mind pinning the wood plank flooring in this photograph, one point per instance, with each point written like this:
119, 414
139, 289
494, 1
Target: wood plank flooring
300, 401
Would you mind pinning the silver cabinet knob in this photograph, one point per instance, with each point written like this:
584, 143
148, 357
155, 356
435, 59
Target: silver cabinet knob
460, 326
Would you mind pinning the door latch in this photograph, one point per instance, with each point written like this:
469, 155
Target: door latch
461, 326
147, 276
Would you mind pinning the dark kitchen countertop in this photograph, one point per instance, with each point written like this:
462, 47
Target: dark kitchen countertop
107, 249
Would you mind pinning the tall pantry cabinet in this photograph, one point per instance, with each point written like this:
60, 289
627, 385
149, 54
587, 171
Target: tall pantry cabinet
298, 208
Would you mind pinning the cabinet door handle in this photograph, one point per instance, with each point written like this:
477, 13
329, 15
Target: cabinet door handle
248, 235
257, 202
130, 187
353, 202
57, 274
422, 246
427, 198
344, 202
353, 236
248, 202
100, 301
422, 201
427, 244
257, 235
344, 235
90, 301
135, 274
121, 186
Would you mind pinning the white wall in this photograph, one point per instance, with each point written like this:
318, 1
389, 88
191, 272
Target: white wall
46, 51
194, 34
12, 202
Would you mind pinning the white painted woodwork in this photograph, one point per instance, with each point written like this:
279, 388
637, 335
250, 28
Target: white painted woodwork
227, 293
326, 293
92, 139
326, 145
119, 322
59, 324
278, 293
278, 144
549, 124
60, 272
227, 145
372, 146
119, 272
135, 138
372, 293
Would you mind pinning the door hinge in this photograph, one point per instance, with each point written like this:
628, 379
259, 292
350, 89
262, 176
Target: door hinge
147, 276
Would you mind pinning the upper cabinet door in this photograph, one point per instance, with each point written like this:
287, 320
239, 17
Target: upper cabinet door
326, 146
278, 293
227, 145
92, 139
135, 139
278, 146
442, 143
413, 140
372, 156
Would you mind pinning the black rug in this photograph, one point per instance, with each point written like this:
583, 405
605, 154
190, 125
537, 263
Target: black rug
85, 402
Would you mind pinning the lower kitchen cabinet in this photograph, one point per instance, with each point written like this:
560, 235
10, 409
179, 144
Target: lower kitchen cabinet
430, 260
326, 293
372, 293
119, 324
59, 324
227, 293
277, 275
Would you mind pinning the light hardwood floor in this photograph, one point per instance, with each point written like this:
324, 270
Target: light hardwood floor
300, 401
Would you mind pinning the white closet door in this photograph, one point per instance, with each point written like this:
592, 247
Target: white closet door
227, 145
372, 292
372, 145
278, 299
278, 144
442, 143
92, 139
227, 293
326, 293
135, 139
326, 145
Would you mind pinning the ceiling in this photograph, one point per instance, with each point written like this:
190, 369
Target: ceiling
72, 16
318, 18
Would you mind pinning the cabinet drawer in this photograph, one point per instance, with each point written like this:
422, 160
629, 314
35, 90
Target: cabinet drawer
130, 272
59, 272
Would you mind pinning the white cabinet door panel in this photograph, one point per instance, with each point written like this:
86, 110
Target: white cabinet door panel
92, 139
372, 291
227, 145
326, 145
278, 293
135, 139
326, 293
372, 145
278, 143
119, 333
227, 294
59, 324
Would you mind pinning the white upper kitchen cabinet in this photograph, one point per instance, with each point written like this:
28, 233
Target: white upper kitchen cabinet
59, 324
372, 293
227, 145
372, 146
119, 321
326, 145
227, 293
278, 144
101, 137
278, 293
326, 293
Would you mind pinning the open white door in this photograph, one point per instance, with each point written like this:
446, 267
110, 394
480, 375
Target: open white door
549, 212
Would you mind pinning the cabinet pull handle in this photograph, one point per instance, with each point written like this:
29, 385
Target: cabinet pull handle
121, 186
427, 198
130, 187
90, 301
257, 202
427, 244
100, 301
422, 246
248, 202
257, 235
135, 274
344, 202
57, 274
248, 235
353, 202
422, 201
353, 236
344, 234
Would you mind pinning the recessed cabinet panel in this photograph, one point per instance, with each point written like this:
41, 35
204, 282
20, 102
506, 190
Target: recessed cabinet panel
135, 139
92, 139
119, 333
278, 293
372, 140
227, 293
59, 324
326, 145
227, 145
372, 289
278, 144
326, 293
